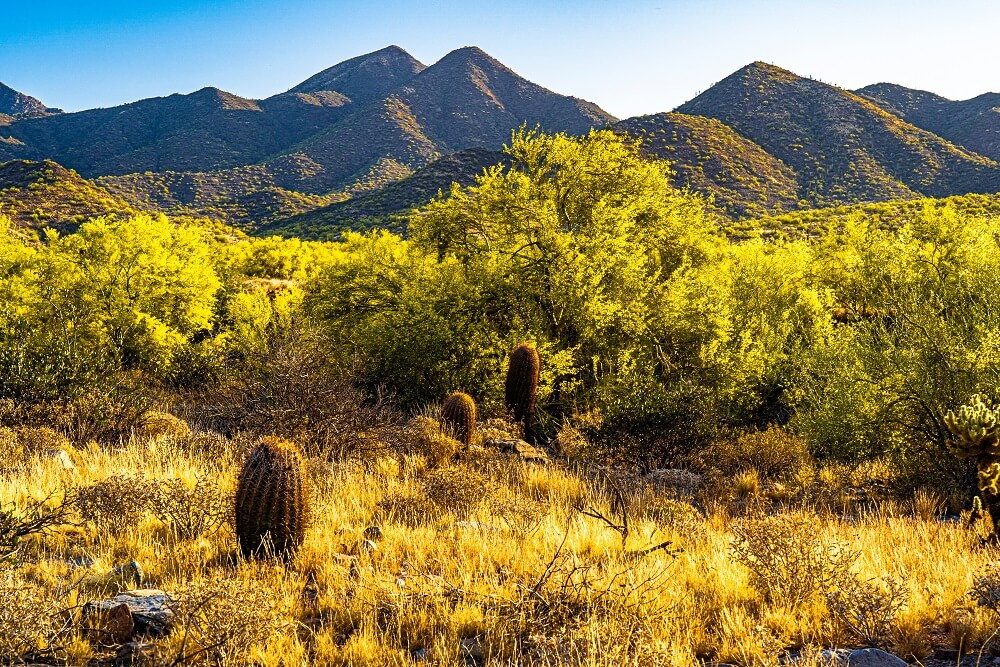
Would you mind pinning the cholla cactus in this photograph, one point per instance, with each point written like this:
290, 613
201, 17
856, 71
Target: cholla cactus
989, 479
975, 429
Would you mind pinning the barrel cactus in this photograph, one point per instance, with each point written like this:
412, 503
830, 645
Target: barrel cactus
521, 388
272, 499
458, 417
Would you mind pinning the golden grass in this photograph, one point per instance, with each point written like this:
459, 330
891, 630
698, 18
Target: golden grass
508, 570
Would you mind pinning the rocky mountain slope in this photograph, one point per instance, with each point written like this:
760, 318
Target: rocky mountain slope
843, 147
360, 143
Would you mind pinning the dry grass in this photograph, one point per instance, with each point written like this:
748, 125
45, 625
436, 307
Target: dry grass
490, 561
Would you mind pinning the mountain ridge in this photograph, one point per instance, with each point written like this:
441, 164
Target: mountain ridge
370, 137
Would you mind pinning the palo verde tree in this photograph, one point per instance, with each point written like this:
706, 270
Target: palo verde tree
574, 242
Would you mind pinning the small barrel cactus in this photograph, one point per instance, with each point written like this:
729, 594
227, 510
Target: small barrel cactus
975, 429
458, 417
521, 388
272, 499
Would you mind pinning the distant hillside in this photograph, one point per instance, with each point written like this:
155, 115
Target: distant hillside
388, 206
205, 130
843, 147
891, 215
362, 142
711, 158
974, 124
352, 128
245, 196
44, 194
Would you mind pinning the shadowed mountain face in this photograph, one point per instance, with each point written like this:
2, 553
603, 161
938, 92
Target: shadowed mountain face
973, 123
205, 130
843, 147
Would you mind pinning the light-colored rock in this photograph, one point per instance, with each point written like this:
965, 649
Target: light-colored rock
61, 457
150, 608
120, 578
873, 657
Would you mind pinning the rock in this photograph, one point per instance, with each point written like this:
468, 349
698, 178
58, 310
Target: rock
81, 561
121, 578
61, 457
113, 626
528, 453
151, 609
836, 655
373, 533
471, 648
873, 657
949, 654
420, 654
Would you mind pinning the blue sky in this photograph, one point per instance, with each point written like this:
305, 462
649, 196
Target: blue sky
629, 57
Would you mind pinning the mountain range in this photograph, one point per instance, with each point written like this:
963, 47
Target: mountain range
365, 140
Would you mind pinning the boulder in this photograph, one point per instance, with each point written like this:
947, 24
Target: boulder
151, 610
873, 657
114, 625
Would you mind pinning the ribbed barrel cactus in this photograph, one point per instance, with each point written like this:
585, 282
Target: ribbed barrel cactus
521, 388
272, 499
975, 430
458, 417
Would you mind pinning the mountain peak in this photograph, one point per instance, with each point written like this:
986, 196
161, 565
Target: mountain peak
471, 55
759, 69
13, 103
366, 77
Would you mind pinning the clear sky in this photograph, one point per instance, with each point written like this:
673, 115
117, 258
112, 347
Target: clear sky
629, 57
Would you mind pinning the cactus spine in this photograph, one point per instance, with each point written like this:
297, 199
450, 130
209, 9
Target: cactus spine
975, 429
458, 417
272, 499
521, 389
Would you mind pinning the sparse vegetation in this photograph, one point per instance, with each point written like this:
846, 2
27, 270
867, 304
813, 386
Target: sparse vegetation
741, 451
